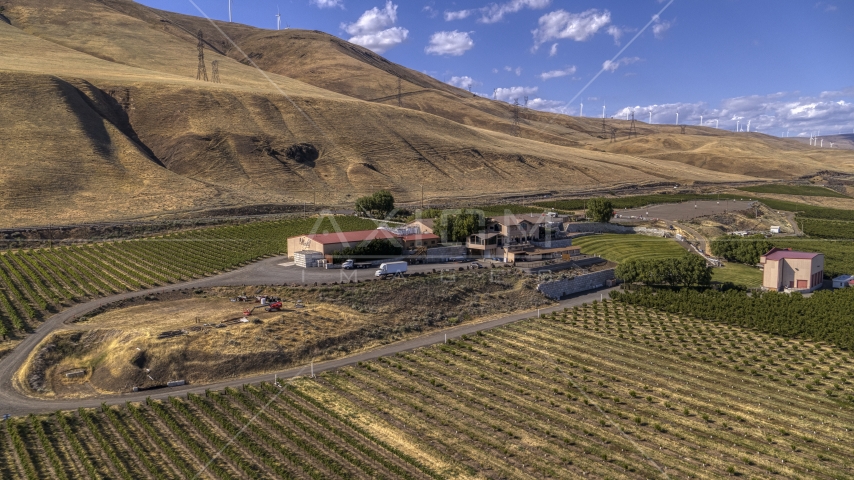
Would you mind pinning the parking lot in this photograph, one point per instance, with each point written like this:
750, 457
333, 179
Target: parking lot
675, 212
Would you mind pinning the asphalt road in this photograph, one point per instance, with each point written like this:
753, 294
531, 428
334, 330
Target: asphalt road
266, 272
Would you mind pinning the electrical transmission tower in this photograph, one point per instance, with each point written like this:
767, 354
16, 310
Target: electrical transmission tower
683, 128
604, 131
399, 92
526, 101
632, 130
613, 134
516, 117
202, 72
215, 71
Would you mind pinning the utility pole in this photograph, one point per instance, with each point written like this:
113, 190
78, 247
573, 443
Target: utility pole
516, 117
215, 71
202, 71
632, 130
399, 93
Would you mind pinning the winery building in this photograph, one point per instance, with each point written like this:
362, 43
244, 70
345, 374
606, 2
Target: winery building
788, 270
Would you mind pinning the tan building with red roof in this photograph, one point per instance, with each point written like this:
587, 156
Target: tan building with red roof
785, 269
328, 243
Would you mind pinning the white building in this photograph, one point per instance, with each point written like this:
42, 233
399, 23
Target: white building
843, 281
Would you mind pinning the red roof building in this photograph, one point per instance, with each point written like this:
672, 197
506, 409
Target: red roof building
328, 243
785, 269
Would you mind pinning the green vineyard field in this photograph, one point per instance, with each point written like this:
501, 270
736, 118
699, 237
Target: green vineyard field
36, 283
605, 390
641, 200
803, 190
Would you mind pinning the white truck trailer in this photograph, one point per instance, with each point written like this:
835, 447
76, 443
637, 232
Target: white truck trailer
391, 268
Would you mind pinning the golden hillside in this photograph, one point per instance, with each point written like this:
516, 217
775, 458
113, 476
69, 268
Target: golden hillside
105, 120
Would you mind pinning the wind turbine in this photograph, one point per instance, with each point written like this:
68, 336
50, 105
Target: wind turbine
278, 19
831, 144
738, 125
677, 118
229, 11
650, 117
603, 112
748, 125
716, 124
582, 110
701, 120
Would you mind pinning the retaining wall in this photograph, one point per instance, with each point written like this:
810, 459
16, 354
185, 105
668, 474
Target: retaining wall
614, 228
442, 254
581, 283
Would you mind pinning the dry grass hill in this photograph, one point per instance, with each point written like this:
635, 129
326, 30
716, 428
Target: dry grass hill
104, 120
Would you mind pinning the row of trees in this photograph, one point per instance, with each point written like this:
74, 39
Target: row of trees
824, 316
745, 250
375, 250
688, 270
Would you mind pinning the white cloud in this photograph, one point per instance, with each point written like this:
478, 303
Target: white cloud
576, 26
615, 32
494, 70
512, 93
464, 82
458, 15
374, 30
845, 92
518, 71
553, 50
431, 12
495, 12
660, 26
328, 3
613, 66
449, 43
772, 114
508, 69
547, 105
558, 73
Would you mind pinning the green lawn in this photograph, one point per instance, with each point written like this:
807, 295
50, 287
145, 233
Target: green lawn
804, 190
621, 247
738, 274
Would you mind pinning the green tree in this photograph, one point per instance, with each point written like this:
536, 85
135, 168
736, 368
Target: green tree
688, 270
745, 250
600, 210
456, 228
378, 205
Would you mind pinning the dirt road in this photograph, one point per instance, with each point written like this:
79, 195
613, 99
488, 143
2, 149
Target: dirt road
265, 272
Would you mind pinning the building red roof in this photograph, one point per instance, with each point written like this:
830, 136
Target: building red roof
420, 236
351, 237
779, 254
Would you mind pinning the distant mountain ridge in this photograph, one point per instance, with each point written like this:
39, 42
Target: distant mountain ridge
107, 121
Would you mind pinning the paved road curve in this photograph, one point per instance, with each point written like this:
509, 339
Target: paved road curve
265, 272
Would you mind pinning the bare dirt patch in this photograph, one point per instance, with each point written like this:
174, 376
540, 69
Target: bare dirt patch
122, 346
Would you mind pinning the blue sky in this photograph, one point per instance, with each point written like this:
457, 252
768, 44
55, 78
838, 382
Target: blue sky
783, 66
